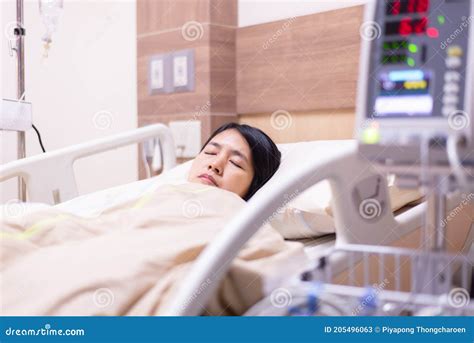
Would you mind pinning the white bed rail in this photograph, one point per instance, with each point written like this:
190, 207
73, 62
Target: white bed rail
344, 170
49, 177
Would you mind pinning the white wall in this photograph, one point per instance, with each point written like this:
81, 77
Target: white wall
252, 12
91, 68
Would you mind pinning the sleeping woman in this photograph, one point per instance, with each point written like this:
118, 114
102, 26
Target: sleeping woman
238, 158
131, 259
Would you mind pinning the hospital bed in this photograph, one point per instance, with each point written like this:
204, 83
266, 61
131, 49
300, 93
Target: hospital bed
361, 204
51, 181
331, 161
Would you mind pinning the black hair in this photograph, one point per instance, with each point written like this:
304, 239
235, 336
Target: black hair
266, 157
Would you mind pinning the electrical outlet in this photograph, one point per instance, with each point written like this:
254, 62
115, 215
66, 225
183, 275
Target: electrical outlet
183, 70
157, 77
187, 137
180, 71
159, 74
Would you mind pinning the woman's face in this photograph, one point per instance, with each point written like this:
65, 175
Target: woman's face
225, 162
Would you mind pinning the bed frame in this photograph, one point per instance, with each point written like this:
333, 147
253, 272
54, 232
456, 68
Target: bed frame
50, 178
57, 184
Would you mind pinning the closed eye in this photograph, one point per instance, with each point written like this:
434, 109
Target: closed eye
209, 153
235, 164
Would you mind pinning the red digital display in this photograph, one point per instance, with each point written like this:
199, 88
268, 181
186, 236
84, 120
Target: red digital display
406, 26
397, 7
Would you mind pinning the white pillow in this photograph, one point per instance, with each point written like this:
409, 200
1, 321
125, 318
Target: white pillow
307, 214
310, 214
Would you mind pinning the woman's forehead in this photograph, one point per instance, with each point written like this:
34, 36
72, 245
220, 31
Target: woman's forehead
231, 139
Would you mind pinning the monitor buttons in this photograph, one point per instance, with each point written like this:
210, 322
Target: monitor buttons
451, 88
453, 62
450, 99
455, 51
447, 110
452, 76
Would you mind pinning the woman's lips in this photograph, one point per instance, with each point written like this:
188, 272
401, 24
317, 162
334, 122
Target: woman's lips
208, 179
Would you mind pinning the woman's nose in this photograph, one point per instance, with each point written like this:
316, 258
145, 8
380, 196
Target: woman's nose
214, 168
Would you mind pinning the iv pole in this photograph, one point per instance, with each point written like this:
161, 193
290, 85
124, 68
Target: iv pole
20, 32
20, 53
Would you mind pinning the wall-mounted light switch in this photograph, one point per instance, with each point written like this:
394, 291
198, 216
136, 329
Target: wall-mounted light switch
180, 71
159, 76
183, 70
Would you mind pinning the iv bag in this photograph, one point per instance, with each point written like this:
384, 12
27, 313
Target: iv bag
50, 11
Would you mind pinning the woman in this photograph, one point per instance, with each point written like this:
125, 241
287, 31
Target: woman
238, 158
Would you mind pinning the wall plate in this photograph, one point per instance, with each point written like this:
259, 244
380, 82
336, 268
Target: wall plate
159, 74
187, 137
16, 115
183, 70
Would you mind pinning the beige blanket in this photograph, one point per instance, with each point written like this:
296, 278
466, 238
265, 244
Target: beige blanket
131, 259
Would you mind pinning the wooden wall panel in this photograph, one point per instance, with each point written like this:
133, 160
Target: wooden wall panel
304, 126
160, 30
223, 88
160, 15
307, 63
224, 12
